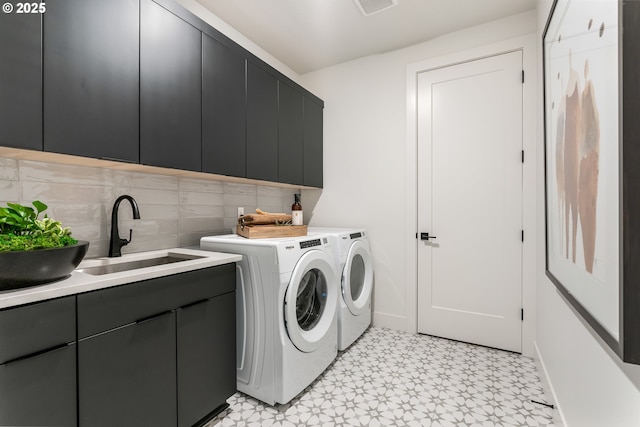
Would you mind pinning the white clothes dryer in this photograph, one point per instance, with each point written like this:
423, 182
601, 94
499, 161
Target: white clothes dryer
286, 312
355, 274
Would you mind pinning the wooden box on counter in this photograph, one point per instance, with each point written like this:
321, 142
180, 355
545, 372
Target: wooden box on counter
266, 231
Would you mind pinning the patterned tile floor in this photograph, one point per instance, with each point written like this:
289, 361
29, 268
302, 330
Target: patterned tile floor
391, 378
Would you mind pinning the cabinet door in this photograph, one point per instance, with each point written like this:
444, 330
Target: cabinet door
223, 109
290, 135
206, 358
39, 390
21, 80
170, 89
262, 124
127, 377
312, 143
91, 78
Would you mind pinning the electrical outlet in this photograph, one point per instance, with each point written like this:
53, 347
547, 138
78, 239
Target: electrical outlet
240, 211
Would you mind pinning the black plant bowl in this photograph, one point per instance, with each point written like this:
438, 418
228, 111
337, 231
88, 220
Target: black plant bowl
29, 268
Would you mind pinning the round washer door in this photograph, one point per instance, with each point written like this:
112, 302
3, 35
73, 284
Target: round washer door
311, 300
357, 278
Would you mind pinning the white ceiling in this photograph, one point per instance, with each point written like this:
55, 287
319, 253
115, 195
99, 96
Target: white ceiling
308, 35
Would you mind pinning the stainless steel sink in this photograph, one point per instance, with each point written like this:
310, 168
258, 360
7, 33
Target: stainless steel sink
99, 270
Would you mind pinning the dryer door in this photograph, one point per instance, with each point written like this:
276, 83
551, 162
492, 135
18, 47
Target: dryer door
357, 278
311, 301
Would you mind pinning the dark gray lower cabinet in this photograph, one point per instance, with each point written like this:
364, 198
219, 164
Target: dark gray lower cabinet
127, 375
39, 390
206, 363
160, 352
38, 364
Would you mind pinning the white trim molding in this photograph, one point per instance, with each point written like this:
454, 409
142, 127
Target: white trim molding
526, 44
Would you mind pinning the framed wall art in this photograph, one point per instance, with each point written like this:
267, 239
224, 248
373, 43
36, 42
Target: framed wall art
591, 56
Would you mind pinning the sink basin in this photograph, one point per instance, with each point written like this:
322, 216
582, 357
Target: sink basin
99, 270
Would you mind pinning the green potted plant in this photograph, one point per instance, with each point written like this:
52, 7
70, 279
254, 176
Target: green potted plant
35, 250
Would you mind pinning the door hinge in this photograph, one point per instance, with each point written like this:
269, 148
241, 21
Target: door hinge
522, 314
522, 235
416, 235
522, 76
522, 156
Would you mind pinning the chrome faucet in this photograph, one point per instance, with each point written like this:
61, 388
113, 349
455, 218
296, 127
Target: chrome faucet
116, 243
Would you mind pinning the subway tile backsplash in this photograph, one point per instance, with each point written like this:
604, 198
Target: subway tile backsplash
175, 211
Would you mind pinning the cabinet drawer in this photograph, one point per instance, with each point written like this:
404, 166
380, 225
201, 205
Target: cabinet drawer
32, 328
106, 309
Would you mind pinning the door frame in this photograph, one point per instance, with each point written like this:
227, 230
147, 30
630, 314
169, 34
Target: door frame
531, 191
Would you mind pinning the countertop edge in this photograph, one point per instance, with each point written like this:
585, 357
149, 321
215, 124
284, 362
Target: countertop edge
79, 282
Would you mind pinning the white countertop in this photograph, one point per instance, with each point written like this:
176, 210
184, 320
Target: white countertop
80, 282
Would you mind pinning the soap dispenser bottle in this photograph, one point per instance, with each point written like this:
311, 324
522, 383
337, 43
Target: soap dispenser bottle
296, 211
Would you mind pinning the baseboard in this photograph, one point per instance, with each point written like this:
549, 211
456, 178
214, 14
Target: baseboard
549, 392
391, 321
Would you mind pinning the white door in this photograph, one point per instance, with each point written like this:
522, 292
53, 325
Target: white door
470, 199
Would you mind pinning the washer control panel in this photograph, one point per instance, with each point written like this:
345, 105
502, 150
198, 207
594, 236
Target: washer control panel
310, 243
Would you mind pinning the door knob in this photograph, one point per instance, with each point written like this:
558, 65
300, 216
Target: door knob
425, 236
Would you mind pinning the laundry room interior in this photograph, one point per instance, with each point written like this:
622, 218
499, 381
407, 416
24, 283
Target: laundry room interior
424, 346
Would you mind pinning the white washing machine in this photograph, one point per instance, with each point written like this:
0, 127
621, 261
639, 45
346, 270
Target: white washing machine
355, 274
286, 312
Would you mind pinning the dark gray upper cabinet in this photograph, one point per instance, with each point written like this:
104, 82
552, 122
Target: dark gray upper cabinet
147, 81
313, 121
262, 124
91, 78
170, 89
223, 109
21, 80
290, 135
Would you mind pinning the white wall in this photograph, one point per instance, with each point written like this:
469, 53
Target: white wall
591, 386
364, 153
